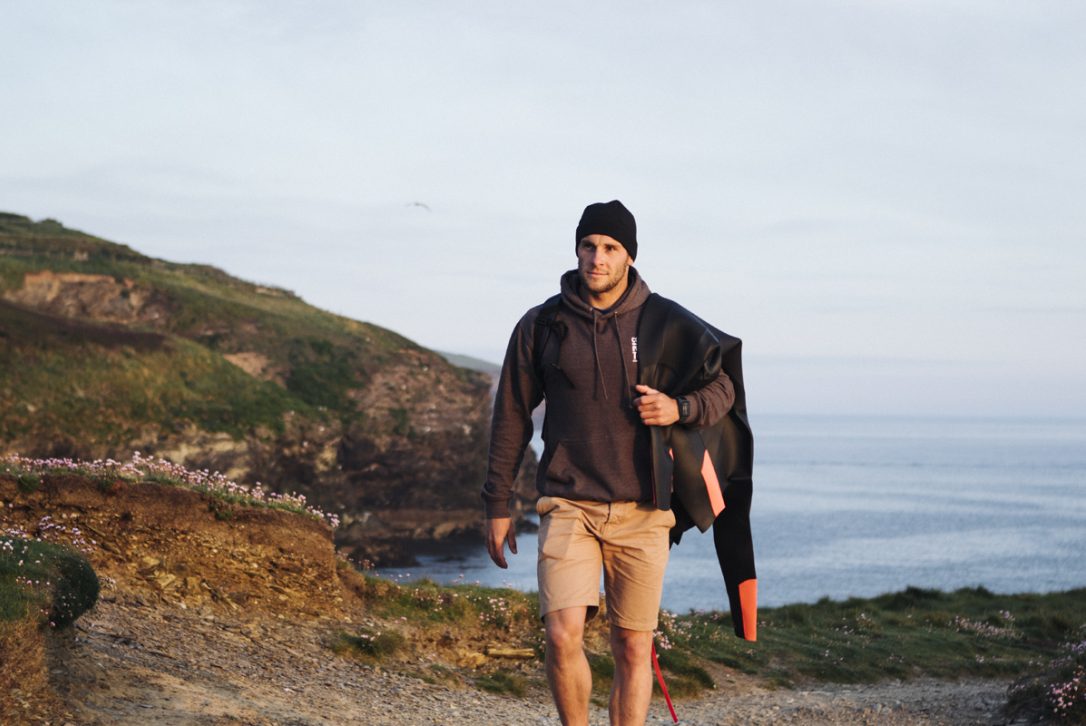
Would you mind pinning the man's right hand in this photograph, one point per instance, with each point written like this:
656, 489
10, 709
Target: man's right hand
499, 531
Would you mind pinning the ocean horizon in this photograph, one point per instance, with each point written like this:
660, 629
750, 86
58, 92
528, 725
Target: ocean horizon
856, 506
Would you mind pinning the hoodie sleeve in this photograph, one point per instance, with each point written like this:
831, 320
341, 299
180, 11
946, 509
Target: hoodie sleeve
711, 402
519, 392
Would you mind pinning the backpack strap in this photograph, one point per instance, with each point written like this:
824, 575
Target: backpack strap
547, 326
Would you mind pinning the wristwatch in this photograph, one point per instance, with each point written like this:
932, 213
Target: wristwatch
684, 408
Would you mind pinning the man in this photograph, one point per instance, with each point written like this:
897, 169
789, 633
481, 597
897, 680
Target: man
598, 475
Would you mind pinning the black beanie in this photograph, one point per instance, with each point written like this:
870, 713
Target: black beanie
611, 219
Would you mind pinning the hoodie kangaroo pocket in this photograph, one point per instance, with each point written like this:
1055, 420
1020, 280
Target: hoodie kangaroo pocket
580, 468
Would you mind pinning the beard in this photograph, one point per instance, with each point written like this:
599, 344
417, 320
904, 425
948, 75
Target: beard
601, 286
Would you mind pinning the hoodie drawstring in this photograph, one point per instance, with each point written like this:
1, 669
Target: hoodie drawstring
626, 397
596, 354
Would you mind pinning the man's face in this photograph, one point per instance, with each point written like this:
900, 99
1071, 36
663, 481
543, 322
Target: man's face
602, 263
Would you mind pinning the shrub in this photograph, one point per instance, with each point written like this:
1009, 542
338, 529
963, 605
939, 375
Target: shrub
682, 665
76, 589
27, 482
1057, 692
502, 682
369, 644
35, 575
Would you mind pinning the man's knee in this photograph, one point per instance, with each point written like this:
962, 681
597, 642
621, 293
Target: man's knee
632, 647
565, 630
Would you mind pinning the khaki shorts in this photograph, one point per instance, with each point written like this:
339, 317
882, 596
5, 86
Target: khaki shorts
628, 540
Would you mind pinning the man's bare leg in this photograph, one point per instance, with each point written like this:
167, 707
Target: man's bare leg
567, 667
632, 689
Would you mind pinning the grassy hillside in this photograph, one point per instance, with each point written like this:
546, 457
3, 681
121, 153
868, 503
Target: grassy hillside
205, 313
95, 383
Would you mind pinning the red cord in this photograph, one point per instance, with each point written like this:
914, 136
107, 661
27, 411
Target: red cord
663, 686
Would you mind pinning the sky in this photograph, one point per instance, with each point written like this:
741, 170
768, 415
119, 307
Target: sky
884, 200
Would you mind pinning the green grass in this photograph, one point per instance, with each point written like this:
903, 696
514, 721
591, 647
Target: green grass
44, 581
503, 682
369, 645
908, 634
107, 393
686, 674
322, 374
429, 603
602, 667
1037, 641
915, 632
21, 236
27, 482
438, 674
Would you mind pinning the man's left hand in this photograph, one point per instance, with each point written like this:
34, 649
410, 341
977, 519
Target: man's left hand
656, 409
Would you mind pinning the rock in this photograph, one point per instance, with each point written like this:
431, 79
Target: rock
148, 564
469, 659
503, 651
165, 581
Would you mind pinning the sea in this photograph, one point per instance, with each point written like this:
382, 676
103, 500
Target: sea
859, 506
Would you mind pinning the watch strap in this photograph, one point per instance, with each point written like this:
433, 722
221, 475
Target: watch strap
684, 408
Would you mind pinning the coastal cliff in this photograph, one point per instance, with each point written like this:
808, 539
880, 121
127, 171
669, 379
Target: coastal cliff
105, 352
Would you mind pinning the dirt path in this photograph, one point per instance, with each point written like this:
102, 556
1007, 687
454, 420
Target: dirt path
891, 703
128, 662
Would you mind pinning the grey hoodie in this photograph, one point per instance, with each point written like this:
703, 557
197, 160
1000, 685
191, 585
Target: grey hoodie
594, 444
